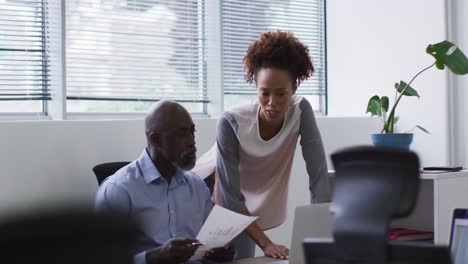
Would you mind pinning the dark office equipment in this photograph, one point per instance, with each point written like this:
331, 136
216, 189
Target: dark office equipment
372, 186
72, 237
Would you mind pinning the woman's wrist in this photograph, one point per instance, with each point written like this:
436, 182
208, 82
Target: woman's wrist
265, 243
256, 233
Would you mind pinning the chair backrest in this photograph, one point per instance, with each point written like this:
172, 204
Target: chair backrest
387, 175
105, 170
64, 236
372, 185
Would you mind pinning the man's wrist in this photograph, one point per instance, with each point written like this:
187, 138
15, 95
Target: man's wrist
153, 255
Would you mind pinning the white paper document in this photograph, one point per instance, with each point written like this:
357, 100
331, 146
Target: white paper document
221, 226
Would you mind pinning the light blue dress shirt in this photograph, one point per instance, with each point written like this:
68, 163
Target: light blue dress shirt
164, 210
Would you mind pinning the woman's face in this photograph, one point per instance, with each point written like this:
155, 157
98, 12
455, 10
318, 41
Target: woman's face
275, 89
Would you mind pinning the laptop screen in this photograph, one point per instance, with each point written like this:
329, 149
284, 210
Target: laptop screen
459, 236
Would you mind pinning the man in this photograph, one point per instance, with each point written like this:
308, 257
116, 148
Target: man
170, 203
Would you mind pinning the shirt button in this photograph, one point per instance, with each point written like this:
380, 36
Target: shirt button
173, 234
172, 211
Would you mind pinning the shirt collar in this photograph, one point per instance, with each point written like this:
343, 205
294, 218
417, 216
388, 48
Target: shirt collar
151, 173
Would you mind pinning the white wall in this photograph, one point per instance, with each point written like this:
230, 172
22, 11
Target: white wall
46, 163
373, 44
458, 32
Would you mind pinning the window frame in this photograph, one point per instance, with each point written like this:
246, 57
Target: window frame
56, 109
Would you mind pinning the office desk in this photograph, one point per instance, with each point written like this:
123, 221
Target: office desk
259, 260
439, 194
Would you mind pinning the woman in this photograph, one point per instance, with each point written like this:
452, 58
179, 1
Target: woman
256, 143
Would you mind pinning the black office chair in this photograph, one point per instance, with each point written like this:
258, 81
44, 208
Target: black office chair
104, 170
372, 186
67, 236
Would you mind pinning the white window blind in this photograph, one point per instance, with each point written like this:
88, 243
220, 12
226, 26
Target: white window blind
242, 23
23, 64
124, 55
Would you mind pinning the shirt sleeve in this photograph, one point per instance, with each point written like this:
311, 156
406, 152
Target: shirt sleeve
227, 164
314, 155
112, 197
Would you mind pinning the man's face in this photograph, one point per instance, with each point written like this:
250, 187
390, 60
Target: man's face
177, 142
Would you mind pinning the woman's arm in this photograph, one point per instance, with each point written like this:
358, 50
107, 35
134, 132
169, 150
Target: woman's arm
227, 169
314, 155
227, 164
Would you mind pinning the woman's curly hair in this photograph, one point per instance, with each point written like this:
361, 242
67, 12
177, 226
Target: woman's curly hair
280, 50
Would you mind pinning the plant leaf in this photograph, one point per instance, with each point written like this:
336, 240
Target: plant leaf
374, 106
384, 102
447, 54
423, 129
395, 120
409, 90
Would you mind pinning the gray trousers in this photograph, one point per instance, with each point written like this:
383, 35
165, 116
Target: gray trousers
244, 246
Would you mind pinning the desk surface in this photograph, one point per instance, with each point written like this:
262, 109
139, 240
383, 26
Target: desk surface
444, 175
430, 175
259, 260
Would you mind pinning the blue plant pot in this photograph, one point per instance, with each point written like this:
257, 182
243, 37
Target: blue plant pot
396, 140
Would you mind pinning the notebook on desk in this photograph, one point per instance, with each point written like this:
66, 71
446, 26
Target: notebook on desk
437, 170
459, 236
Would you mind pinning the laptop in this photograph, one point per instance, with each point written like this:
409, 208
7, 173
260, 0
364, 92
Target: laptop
312, 220
459, 236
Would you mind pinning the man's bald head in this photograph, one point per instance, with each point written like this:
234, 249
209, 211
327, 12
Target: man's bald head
170, 134
162, 115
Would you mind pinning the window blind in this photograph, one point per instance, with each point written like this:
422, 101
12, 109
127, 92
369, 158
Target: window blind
244, 20
23, 61
135, 50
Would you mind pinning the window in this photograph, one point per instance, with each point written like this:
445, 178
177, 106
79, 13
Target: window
23, 63
121, 56
113, 56
242, 23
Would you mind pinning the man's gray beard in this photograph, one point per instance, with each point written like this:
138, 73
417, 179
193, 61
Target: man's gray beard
185, 167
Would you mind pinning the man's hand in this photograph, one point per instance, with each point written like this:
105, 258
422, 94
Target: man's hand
276, 251
175, 250
220, 254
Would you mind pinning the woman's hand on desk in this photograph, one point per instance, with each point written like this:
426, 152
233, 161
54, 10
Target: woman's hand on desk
273, 250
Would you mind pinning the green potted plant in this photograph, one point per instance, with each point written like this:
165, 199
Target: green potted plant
446, 54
